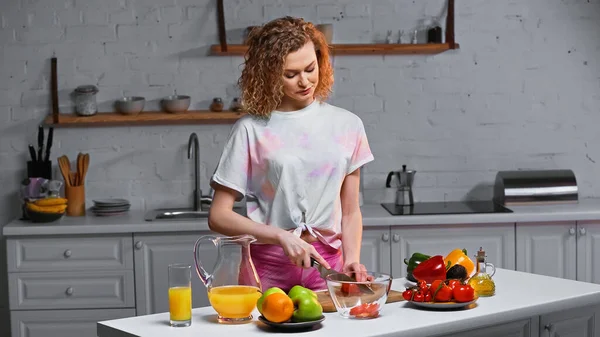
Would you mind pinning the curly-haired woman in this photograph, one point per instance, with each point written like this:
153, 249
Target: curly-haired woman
296, 159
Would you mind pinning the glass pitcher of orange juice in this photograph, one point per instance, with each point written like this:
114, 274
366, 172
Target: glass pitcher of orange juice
233, 286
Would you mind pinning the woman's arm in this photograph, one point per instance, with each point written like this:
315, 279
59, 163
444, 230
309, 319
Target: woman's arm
223, 220
351, 221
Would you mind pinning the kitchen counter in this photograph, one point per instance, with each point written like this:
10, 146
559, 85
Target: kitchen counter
519, 296
373, 215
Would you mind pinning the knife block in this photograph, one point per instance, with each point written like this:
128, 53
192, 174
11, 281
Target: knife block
39, 169
75, 200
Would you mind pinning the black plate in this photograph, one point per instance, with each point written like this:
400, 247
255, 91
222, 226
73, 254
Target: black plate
292, 325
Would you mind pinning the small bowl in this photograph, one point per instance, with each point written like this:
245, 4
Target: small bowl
131, 105
40, 217
176, 103
351, 302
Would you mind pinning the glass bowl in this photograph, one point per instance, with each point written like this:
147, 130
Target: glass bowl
352, 301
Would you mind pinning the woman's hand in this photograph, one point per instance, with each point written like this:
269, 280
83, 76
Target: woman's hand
300, 251
359, 270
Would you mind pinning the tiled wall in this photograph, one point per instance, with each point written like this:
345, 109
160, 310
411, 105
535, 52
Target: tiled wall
522, 92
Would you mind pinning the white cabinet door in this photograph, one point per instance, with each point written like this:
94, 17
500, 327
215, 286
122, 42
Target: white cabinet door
375, 249
153, 253
579, 322
548, 248
498, 241
588, 251
523, 328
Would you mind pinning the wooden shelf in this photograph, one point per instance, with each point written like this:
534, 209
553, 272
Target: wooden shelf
224, 49
144, 118
356, 49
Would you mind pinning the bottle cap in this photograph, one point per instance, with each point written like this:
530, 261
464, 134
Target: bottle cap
480, 254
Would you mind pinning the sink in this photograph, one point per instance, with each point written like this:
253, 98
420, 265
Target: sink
181, 214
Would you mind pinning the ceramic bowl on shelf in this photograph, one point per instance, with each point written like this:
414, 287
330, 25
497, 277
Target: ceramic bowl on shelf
176, 103
352, 302
130, 105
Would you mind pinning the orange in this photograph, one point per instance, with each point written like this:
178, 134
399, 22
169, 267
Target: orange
278, 308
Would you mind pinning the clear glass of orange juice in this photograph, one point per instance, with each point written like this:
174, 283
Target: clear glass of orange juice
180, 295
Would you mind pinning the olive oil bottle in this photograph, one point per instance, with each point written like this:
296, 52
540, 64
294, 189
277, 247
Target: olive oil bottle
482, 281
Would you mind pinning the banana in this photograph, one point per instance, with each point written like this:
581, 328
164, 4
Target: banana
51, 202
46, 209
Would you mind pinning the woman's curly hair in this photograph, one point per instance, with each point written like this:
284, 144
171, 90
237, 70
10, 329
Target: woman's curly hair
268, 46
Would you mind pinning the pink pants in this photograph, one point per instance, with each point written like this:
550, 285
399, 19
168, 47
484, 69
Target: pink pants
275, 269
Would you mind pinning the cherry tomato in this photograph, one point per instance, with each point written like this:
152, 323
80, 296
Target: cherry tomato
463, 293
419, 296
453, 283
407, 294
428, 297
422, 285
440, 291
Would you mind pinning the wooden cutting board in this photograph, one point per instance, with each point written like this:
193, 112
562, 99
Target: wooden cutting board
328, 306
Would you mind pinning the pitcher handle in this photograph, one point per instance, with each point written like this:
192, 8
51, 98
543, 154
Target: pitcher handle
205, 277
489, 265
388, 180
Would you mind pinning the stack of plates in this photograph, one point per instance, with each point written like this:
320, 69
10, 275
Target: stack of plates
107, 207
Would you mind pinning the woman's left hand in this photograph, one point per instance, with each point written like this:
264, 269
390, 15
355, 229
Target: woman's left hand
358, 269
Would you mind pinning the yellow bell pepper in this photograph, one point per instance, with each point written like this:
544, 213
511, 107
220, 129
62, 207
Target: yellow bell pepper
459, 256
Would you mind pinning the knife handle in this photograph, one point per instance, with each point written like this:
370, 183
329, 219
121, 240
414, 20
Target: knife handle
32, 153
313, 262
40, 143
49, 144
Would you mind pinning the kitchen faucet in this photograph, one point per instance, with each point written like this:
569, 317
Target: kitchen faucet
199, 199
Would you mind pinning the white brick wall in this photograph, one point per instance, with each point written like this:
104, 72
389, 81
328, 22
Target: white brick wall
522, 92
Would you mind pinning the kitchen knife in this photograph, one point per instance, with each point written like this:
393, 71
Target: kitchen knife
40, 143
49, 144
32, 153
341, 276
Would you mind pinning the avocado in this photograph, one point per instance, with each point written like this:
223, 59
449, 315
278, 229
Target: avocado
457, 272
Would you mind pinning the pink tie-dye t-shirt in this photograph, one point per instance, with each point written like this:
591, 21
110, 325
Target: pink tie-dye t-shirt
291, 167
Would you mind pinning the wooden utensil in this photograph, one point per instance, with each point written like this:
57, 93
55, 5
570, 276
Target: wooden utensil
328, 306
65, 169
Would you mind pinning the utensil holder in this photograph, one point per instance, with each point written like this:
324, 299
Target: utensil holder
39, 169
75, 200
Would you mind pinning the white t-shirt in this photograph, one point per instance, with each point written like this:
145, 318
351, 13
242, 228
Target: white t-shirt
291, 167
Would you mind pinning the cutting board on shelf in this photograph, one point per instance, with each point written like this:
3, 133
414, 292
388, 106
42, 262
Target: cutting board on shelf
328, 306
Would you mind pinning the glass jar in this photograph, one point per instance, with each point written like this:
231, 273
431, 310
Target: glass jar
236, 105
85, 100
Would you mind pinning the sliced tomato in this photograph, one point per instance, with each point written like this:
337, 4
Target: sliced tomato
350, 289
365, 310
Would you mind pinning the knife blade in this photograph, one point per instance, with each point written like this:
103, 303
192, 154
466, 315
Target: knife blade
40, 143
340, 276
49, 143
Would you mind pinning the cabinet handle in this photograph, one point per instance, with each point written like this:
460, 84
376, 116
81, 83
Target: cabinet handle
550, 329
385, 237
582, 231
572, 231
69, 291
396, 237
138, 245
67, 254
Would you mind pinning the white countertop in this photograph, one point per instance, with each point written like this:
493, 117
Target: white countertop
519, 295
373, 215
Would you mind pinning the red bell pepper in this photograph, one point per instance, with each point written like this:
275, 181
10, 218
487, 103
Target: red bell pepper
431, 269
